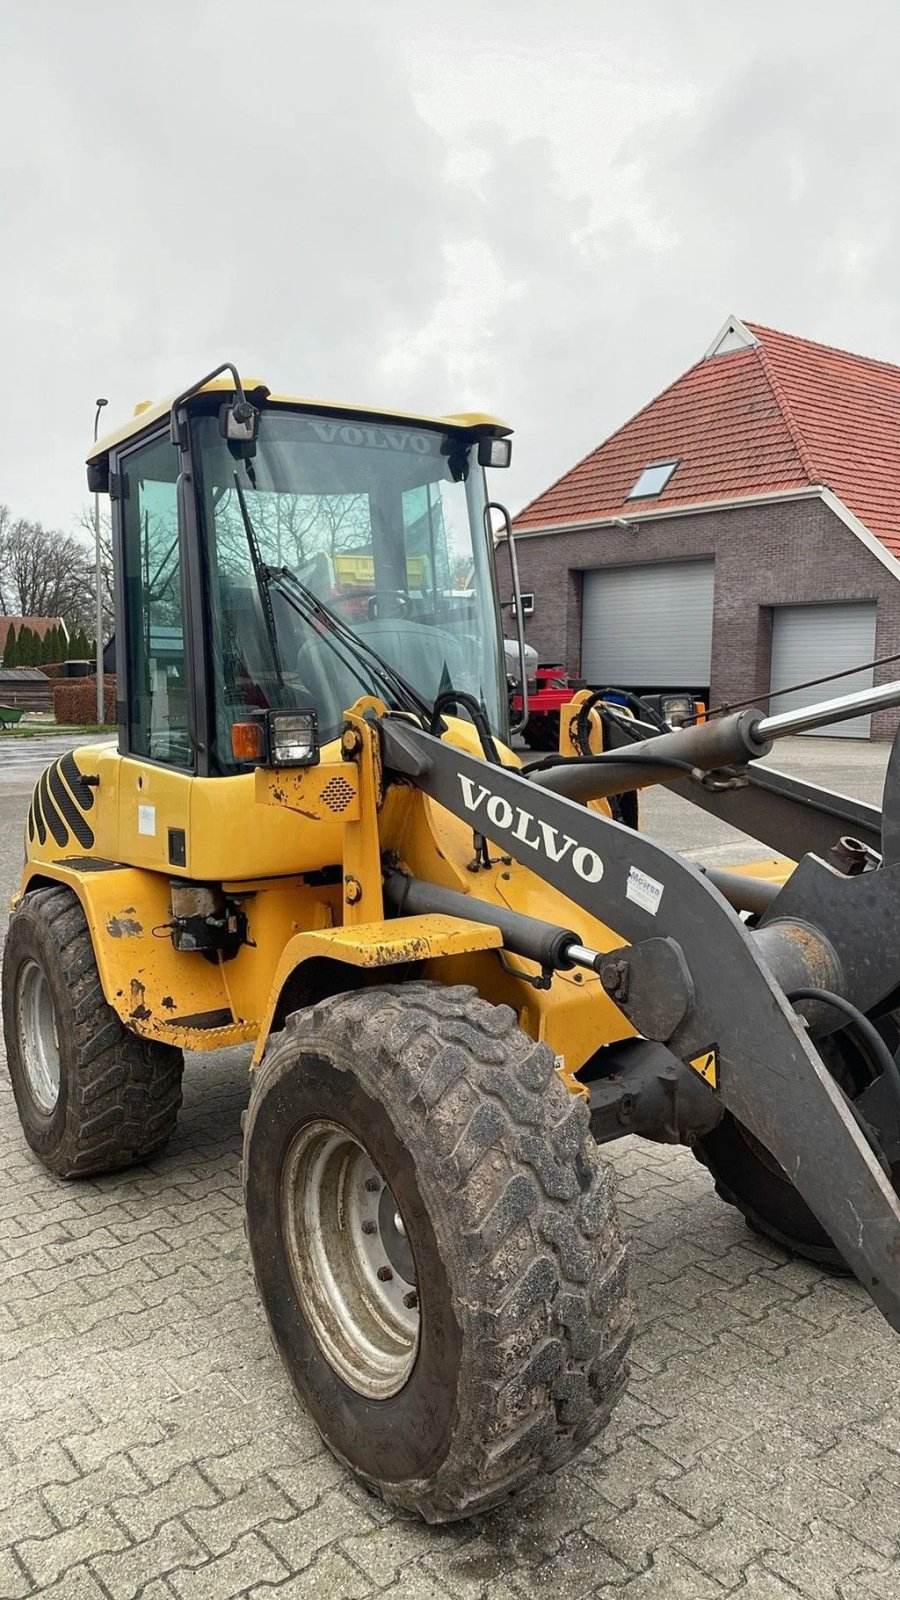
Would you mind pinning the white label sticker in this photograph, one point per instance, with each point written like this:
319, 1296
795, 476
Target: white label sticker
646, 892
147, 820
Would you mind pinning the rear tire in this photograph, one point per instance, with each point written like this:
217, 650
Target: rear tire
748, 1177
91, 1096
435, 1244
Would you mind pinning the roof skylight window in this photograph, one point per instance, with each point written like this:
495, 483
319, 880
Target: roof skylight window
652, 480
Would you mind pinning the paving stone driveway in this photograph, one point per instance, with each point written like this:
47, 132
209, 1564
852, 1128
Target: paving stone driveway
149, 1444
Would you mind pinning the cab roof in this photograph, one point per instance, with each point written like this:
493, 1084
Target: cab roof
149, 413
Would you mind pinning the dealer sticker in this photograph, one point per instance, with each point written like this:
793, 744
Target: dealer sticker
147, 820
645, 891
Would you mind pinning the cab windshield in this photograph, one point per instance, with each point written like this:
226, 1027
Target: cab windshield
384, 524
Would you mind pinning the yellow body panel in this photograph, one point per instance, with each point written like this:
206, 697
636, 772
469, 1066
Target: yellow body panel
379, 944
299, 852
156, 992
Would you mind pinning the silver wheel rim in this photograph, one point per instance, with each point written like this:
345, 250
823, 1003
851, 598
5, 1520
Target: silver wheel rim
350, 1259
38, 1035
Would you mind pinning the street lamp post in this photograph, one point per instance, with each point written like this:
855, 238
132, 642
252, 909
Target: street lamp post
98, 573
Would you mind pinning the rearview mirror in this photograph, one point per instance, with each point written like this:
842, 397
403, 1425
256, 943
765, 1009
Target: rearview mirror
239, 424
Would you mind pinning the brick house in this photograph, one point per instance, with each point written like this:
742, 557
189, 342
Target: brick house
739, 534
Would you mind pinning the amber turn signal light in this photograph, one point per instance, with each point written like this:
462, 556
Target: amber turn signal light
247, 741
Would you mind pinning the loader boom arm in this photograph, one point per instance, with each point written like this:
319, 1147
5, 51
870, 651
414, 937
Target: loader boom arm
696, 978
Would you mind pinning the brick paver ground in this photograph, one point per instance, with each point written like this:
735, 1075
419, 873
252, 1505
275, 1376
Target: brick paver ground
149, 1444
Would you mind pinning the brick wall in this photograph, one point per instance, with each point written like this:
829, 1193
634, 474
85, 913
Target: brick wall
765, 556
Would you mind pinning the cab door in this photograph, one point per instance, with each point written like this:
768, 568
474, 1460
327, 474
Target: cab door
156, 694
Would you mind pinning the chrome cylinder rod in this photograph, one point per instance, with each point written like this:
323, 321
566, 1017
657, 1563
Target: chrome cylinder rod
805, 718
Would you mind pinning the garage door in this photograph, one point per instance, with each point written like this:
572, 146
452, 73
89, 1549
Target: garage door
808, 641
648, 626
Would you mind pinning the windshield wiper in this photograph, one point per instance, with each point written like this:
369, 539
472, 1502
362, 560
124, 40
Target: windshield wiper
308, 605
259, 572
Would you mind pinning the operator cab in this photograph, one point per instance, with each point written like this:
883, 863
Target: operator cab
275, 556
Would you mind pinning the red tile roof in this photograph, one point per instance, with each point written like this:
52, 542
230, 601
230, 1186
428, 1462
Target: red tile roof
782, 413
38, 625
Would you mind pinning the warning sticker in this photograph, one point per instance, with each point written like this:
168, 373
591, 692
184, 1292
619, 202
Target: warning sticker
707, 1064
645, 891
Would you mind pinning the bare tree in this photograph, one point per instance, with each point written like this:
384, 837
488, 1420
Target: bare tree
86, 524
6, 607
291, 528
44, 573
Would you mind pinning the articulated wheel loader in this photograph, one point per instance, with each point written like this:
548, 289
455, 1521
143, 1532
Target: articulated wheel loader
460, 979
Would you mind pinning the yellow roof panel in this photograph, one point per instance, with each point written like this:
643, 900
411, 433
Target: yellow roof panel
147, 414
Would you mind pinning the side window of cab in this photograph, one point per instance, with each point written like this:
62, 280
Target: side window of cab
156, 678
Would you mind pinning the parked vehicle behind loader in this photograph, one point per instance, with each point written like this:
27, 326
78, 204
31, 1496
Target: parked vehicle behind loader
460, 979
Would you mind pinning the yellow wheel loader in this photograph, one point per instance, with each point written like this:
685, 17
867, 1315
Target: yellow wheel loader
460, 978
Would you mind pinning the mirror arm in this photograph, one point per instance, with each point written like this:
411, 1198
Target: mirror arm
495, 505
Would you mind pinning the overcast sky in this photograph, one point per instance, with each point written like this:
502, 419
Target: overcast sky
541, 208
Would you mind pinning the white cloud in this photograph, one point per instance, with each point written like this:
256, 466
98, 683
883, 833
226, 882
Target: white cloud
544, 211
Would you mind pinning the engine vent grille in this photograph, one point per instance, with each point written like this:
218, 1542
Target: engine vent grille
338, 793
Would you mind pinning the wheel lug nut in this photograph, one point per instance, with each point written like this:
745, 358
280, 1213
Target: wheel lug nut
369, 1227
373, 1185
411, 1300
385, 1274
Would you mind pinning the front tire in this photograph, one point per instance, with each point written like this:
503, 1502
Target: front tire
91, 1096
435, 1243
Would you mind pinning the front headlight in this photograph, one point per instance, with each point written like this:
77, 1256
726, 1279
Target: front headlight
293, 738
277, 739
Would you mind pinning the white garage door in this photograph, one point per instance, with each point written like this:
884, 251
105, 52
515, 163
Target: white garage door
648, 626
808, 641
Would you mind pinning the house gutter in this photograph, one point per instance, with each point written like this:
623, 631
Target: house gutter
812, 491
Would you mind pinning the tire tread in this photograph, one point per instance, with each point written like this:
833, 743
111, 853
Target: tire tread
124, 1091
509, 1164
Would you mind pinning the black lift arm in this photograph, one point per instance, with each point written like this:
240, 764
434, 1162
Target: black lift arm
695, 977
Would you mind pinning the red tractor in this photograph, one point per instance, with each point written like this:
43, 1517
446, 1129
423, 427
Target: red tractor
548, 691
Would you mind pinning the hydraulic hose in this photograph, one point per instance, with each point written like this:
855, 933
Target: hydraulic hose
457, 698
862, 1026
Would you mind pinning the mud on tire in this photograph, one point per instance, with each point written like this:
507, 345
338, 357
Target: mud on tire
521, 1271
118, 1095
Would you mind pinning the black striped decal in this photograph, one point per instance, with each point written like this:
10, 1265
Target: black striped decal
60, 810
82, 791
51, 816
38, 817
75, 818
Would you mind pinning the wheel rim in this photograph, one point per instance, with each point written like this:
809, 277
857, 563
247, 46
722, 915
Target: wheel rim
38, 1035
351, 1260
